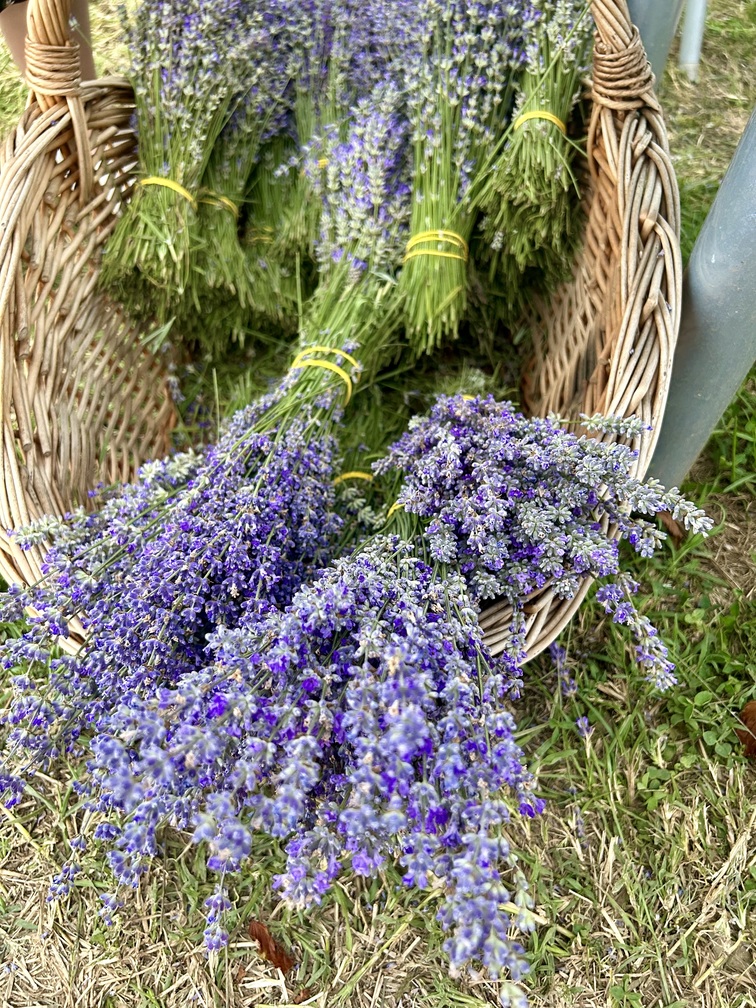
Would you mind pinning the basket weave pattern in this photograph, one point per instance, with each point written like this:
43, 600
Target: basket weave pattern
81, 400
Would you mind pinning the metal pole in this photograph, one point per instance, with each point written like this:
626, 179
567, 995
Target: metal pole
692, 38
656, 21
717, 343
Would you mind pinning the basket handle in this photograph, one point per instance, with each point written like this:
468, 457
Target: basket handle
622, 76
53, 73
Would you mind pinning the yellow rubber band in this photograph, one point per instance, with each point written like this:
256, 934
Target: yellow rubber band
215, 199
439, 235
262, 234
355, 474
394, 507
450, 237
540, 114
167, 183
326, 350
330, 367
468, 397
433, 252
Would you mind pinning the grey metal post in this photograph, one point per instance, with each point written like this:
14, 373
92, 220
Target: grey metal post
717, 344
692, 38
656, 21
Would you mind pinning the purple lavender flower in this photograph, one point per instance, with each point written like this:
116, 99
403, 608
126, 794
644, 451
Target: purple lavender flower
584, 727
567, 684
651, 653
198, 544
517, 503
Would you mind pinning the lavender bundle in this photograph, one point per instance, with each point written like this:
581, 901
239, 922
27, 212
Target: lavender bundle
364, 198
296, 224
258, 113
278, 282
196, 544
344, 50
531, 198
518, 504
187, 64
459, 101
361, 723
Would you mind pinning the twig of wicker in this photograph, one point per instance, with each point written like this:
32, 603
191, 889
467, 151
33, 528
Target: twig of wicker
83, 402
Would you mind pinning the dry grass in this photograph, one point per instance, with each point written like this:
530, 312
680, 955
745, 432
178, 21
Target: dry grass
706, 119
652, 871
643, 866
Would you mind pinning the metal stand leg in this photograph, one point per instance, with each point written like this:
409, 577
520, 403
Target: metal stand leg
717, 344
692, 38
656, 21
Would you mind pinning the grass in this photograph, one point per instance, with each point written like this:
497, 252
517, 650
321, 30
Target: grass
642, 867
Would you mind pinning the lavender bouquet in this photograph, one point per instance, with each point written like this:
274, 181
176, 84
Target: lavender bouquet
530, 198
361, 723
219, 262
278, 283
518, 504
199, 541
364, 197
188, 62
346, 50
459, 102
343, 52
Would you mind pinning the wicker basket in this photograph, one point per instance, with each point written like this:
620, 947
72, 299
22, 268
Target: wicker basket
81, 400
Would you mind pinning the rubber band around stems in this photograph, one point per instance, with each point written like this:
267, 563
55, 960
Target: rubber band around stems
415, 253
263, 234
394, 507
326, 350
215, 199
328, 366
540, 114
437, 235
166, 183
354, 474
